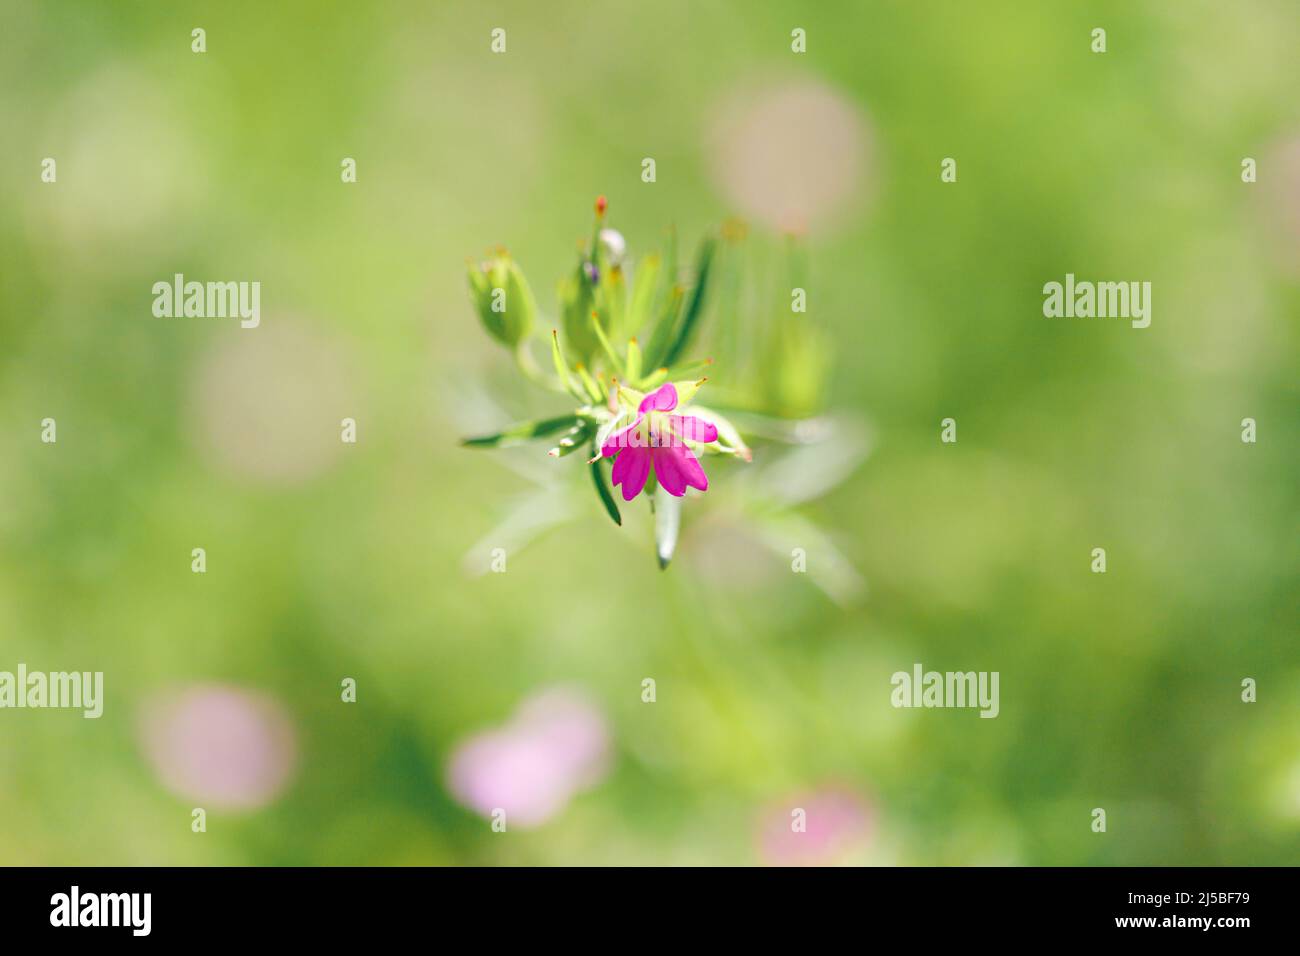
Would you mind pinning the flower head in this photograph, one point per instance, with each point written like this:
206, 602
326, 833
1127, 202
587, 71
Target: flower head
628, 412
660, 442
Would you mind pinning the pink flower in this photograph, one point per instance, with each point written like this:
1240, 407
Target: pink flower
658, 440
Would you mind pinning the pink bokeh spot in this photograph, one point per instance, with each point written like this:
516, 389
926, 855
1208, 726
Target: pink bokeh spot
794, 155
220, 745
838, 823
555, 746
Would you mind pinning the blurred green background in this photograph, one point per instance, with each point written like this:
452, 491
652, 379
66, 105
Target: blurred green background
327, 560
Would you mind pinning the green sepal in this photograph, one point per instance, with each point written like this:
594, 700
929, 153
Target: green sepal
633, 363
729, 441
562, 370
644, 279
593, 390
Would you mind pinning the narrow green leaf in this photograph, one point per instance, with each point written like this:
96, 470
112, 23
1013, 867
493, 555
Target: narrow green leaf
562, 369
602, 488
522, 432
644, 278
615, 362
573, 439
696, 306
664, 327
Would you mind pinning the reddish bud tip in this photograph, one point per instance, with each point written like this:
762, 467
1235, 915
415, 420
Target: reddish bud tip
601, 205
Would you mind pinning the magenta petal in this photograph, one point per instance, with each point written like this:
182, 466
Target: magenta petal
677, 468
684, 468
668, 473
663, 399
623, 438
621, 464
690, 428
635, 471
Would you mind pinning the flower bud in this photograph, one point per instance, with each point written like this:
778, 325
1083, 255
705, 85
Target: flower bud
576, 304
613, 245
503, 299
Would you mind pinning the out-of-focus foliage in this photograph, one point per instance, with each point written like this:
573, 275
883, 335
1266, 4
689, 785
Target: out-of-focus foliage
373, 561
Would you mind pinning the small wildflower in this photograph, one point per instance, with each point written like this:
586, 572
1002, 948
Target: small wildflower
625, 325
658, 441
